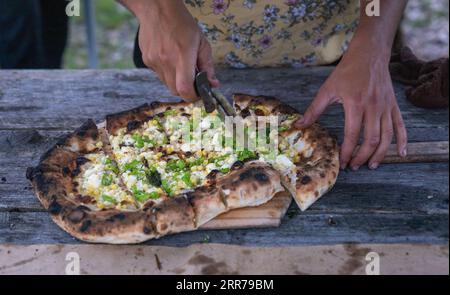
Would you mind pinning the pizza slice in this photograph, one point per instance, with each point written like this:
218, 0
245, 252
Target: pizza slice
308, 160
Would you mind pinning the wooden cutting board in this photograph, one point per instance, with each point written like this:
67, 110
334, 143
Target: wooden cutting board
271, 213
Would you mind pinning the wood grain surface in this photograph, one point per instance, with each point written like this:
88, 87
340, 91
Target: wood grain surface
397, 203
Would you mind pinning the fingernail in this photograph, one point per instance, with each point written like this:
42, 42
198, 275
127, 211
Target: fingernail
403, 152
343, 165
373, 166
354, 168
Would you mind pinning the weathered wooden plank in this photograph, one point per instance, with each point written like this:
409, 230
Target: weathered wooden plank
418, 152
391, 188
344, 198
302, 229
396, 203
42, 102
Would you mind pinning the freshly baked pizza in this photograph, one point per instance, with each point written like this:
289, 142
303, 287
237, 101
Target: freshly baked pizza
164, 168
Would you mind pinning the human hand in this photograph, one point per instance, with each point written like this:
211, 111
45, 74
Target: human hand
362, 84
172, 45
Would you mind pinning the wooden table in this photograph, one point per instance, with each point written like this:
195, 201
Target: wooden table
398, 203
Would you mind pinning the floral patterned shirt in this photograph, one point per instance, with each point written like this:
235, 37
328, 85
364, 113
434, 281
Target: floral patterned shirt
263, 33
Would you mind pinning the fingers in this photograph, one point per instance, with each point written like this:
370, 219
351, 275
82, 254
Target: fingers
205, 62
353, 121
372, 137
167, 75
387, 132
315, 109
390, 121
177, 72
185, 76
400, 132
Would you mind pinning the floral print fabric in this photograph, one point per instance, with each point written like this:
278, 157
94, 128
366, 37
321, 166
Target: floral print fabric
262, 33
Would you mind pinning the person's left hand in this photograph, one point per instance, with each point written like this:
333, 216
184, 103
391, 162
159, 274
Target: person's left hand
362, 83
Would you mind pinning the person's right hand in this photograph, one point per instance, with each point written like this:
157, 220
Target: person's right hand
172, 44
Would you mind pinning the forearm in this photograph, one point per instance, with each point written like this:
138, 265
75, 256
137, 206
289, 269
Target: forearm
140, 8
379, 31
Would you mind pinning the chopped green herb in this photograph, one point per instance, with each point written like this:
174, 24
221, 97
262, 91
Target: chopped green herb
154, 195
181, 164
283, 128
224, 170
197, 162
203, 112
218, 159
245, 154
176, 165
109, 199
166, 187
140, 141
157, 123
111, 166
193, 125
107, 179
142, 196
170, 112
133, 165
206, 239
187, 179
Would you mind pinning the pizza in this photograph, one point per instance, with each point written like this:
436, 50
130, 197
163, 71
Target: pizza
142, 173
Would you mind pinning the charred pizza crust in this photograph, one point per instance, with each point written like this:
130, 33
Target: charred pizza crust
133, 118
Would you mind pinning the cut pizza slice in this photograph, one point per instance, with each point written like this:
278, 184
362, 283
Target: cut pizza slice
308, 160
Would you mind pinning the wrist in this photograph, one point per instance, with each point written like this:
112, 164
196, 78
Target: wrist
144, 9
371, 45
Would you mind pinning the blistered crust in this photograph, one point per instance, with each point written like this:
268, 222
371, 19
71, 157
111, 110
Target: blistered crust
319, 174
132, 119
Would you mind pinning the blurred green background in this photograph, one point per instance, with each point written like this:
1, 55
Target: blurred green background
425, 27
115, 32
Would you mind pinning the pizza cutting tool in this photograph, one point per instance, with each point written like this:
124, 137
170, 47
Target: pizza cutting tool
212, 99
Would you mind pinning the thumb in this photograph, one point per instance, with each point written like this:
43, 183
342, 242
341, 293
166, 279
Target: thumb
205, 62
315, 109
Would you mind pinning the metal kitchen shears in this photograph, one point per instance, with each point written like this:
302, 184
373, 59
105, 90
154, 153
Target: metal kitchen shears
213, 99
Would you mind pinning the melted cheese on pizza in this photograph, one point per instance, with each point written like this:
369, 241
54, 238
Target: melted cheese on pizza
99, 179
163, 157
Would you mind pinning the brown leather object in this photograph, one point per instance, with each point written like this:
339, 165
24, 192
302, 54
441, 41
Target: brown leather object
427, 81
